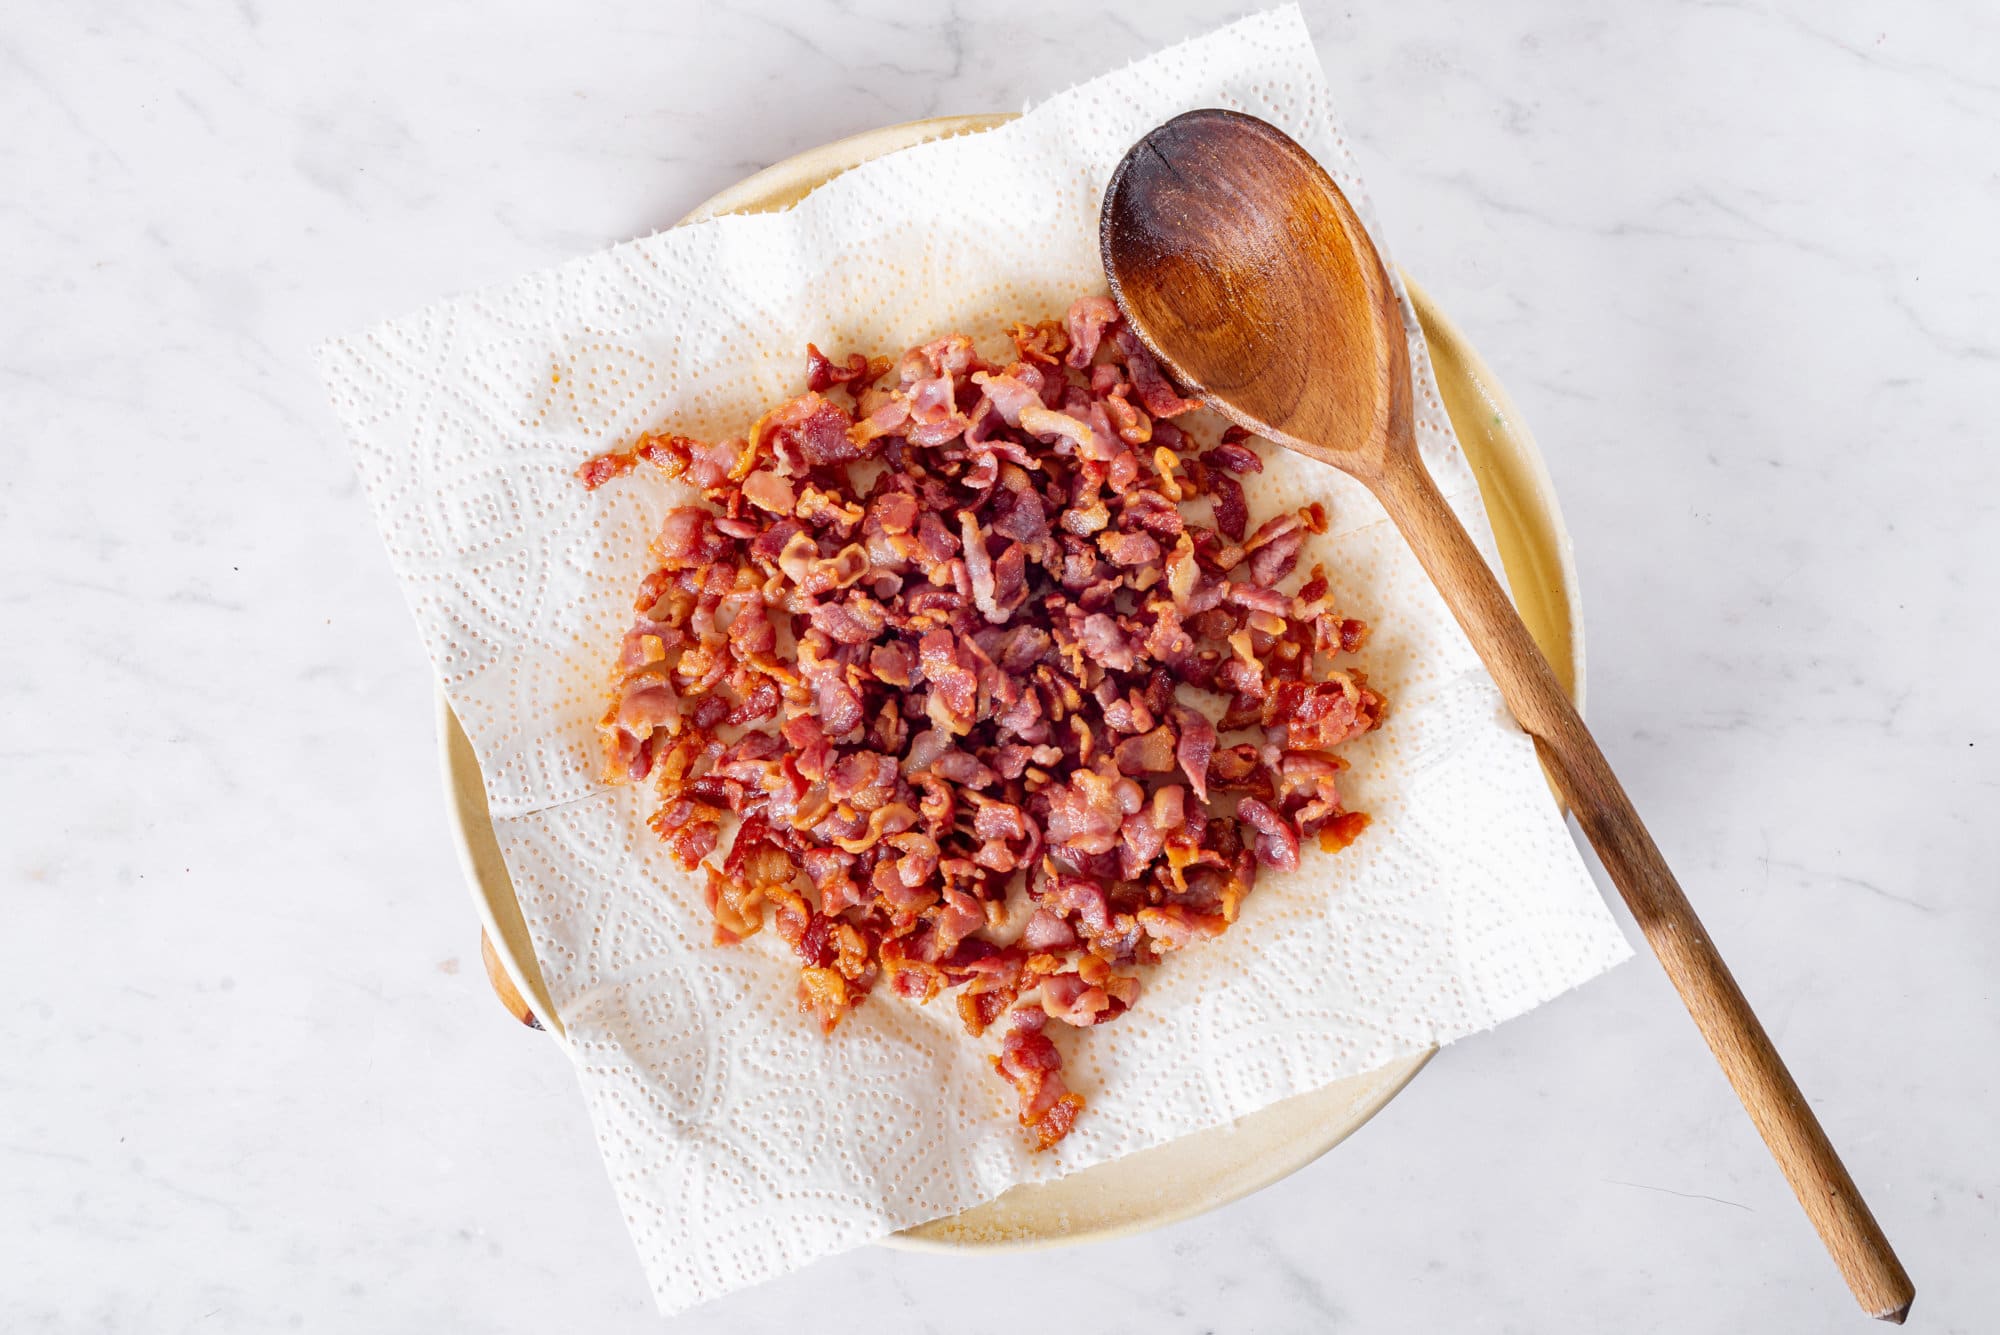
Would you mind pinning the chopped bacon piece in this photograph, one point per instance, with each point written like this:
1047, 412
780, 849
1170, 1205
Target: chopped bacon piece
1044, 343
1129, 549
856, 375
1019, 387
1029, 1062
826, 995
1085, 813
1232, 513
1277, 842
1047, 931
600, 469
670, 454
1087, 321
1148, 380
1319, 716
1231, 453
953, 699
1196, 746
808, 432
1342, 831
1148, 753
1049, 425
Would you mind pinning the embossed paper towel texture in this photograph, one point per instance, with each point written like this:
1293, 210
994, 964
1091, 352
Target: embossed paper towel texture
741, 1144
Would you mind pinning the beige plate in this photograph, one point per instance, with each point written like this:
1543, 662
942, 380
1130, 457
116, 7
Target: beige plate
1199, 1172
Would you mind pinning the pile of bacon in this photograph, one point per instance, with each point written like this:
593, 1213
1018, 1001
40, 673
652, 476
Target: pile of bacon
937, 656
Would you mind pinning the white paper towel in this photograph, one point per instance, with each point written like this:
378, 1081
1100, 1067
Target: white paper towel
740, 1142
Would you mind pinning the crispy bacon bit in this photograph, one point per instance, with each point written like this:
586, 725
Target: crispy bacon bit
1232, 513
1089, 996
857, 375
825, 994
1087, 321
600, 469
808, 432
1129, 549
670, 454
1323, 715
1197, 745
956, 683
1151, 383
1044, 343
1232, 454
1149, 753
1342, 831
1029, 1062
1277, 842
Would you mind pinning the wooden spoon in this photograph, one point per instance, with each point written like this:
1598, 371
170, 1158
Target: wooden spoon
1240, 264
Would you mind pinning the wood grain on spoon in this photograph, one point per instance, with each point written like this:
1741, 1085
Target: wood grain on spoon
1241, 265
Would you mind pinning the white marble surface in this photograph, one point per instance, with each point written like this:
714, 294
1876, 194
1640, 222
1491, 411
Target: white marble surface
1735, 262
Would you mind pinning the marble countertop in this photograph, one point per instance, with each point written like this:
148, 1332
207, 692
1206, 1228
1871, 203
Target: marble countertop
1736, 264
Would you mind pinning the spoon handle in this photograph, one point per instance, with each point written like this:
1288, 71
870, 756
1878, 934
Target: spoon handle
1663, 913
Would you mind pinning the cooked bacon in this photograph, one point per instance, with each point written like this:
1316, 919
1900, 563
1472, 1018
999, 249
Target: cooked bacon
857, 375
953, 699
879, 417
1043, 343
1029, 1062
670, 454
1231, 453
1103, 643
1086, 323
1175, 926
826, 995
1342, 831
859, 620
1129, 549
1232, 512
689, 828
1080, 897
808, 432
1010, 581
1083, 1001
1149, 753
958, 917
1196, 746
710, 465
1018, 387
1257, 600
963, 769
825, 511
1152, 511
1274, 549
1048, 425
1047, 931
951, 355
934, 415
864, 780
767, 491
1129, 714
1085, 813
1323, 715
1148, 380
955, 683
688, 537
1277, 841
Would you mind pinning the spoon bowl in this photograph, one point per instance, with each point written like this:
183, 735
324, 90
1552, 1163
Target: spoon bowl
1243, 268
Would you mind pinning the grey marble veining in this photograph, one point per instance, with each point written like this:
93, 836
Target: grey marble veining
1734, 261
